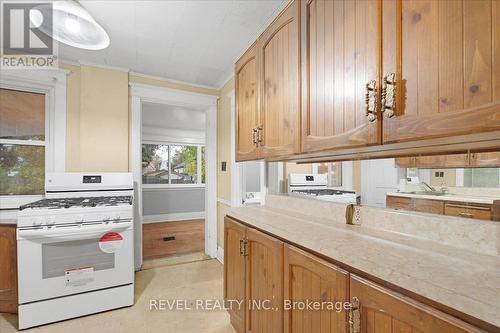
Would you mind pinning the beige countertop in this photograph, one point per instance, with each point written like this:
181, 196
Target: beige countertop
8, 221
458, 278
448, 197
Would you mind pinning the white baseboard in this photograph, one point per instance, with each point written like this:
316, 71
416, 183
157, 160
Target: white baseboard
220, 255
172, 217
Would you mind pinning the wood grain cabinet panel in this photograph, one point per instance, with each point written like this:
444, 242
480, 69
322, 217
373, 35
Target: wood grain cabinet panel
488, 160
382, 310
468, 210
264, 276
234, 272
307, 277
279, 48
446, 57
399, 203
339, 57
247, 104
428, 206
8, 269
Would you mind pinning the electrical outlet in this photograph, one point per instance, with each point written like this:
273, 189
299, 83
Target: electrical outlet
356, 217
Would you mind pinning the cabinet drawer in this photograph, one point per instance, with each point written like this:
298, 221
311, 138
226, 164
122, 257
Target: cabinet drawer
428, 206
399, 203
473, 211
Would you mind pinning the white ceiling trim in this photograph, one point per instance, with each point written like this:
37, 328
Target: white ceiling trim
155, 94
164, 79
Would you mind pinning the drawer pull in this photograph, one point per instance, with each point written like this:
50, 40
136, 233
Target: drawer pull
464, 214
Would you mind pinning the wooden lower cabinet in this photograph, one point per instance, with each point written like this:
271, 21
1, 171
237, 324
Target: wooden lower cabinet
260, 268
264, 282
234, 272
308, 278
382, 310
450, 208
8, 269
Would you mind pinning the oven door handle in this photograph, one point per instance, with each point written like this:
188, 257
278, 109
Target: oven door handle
71, 233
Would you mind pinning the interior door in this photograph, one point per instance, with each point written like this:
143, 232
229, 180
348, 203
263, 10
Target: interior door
339, 57
309, 278
247, 105
234, 272
446, 59
264, 276
279, 49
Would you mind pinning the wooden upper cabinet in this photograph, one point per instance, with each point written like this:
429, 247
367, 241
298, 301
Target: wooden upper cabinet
279, 48
446, 56
434, 161
247, 105
385, 311
264, 276
489, 160
307, 277
340, 55
234, 271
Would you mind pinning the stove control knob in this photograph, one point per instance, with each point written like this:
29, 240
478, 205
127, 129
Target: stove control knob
117, 217
106, 218
79, 219
37, 222
50, 221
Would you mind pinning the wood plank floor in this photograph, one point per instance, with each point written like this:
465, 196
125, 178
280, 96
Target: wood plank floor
189, 237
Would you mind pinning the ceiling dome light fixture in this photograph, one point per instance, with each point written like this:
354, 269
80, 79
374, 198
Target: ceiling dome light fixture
72, 25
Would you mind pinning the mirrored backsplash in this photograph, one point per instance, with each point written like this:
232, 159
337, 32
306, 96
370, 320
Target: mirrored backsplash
387, 183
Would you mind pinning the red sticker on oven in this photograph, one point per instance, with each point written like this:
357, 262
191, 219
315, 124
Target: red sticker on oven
110, 242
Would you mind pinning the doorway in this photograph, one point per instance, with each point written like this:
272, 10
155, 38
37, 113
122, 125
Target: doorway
173, 180
173, 159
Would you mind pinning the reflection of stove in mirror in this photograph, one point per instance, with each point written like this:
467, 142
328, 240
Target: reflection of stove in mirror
316, 186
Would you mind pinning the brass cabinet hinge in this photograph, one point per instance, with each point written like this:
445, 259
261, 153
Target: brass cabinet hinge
244, 246
371, 100
354, 316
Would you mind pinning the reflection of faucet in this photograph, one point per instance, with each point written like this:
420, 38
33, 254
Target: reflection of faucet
432, 189
444, 188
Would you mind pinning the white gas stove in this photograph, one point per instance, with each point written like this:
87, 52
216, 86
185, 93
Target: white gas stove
75, 248
316, 187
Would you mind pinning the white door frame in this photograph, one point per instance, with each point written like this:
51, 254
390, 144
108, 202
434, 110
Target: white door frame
141, 93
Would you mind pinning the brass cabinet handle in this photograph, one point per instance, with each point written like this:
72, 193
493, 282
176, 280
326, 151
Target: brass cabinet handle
389, 95
463, 214
254, 136
241, 246
354, 316
371, 100
260, 135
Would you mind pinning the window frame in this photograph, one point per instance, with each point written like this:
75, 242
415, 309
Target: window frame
51, 83
198, 183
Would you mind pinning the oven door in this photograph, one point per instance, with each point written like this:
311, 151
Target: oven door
66, 260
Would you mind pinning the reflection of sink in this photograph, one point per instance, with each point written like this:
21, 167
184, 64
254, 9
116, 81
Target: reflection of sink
426, 193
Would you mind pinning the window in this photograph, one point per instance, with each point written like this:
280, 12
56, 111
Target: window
333, 171
170, 164
482, 177
22, 142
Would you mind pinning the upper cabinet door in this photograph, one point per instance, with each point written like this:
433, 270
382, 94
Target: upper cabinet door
446, 56
247, 105
279, 49
340, 56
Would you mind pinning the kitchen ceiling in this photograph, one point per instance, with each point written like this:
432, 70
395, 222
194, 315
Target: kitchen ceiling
195, 42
